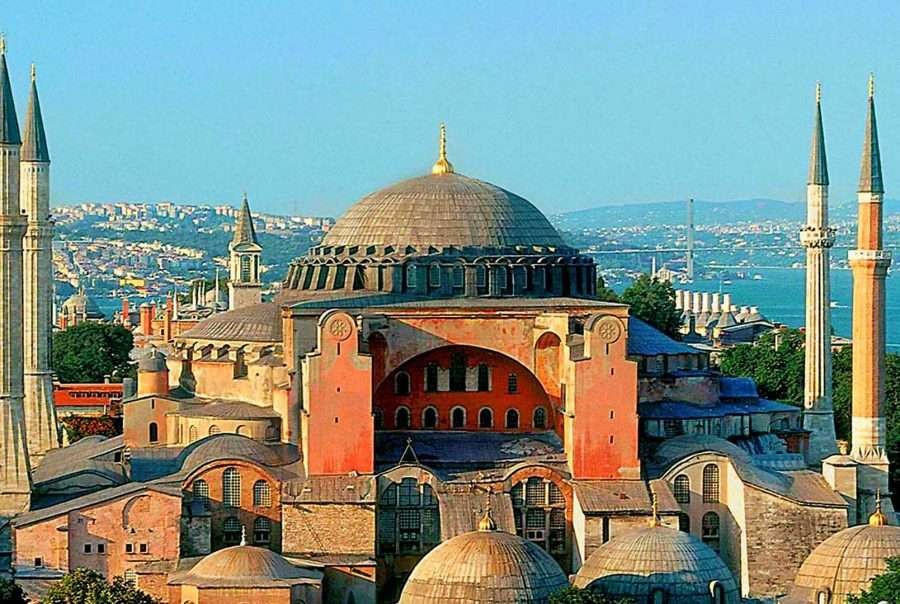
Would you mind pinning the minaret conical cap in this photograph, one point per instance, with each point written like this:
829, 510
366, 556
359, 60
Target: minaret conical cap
870, 180
818, 163
34, 140
244, 232
9, 124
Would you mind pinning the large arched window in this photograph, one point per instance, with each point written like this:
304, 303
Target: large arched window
401, 418
682, 489
458, 417
231, 530
539, 420
485, 418
262, 494
262, 530
459, 276
231, 488
711, 483
153, 432
408, 518
431, 377
512, 419
710, 530
214, 429
200, 491
434, 275
539, 507
401, 383
430, 418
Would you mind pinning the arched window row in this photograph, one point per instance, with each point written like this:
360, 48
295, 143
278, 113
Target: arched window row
497, 278
262, 494
231, 488
430, 418
455, 380
539, 507
682, 489
711, 483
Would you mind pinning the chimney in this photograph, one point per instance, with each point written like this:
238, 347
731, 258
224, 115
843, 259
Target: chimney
146, 319
696, 307
678, 299
705, 302
716, 307
726, 303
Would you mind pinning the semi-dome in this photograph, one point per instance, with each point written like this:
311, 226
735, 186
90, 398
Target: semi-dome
484, 566
245, 566
254, 323
82, 305
640, 563
227, 446
845, 563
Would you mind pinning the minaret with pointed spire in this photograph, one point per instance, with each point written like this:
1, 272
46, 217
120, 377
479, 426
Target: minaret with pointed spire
869, 263
244, 287
818, 238
34, 195
15, 479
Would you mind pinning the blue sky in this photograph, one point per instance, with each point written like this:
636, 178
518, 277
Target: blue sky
310, 105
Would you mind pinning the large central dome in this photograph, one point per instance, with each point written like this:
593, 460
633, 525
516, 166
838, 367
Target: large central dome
444, 210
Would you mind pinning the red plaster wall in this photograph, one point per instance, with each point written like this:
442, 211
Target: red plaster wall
530, 394
605, 424
340, 434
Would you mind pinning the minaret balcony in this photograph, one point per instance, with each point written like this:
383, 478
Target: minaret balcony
817, 237
879, 256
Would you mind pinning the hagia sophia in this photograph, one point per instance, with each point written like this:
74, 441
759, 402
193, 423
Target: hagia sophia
436, 408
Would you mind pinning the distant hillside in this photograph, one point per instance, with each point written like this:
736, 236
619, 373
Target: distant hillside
705, 212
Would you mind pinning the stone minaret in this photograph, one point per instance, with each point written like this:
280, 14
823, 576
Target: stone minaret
15, 470
869, 263
818, 238
34, 188
244, 287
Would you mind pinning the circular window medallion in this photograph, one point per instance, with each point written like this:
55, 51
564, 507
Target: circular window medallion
609, 330
340, 329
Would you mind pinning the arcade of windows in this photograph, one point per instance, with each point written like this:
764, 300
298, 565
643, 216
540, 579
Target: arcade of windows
539, 507
710, 523
231, 497
408, 518
430, 418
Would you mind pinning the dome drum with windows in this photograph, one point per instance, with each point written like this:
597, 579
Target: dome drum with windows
444, 235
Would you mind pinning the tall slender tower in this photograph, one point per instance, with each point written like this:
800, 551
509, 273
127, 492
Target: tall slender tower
15, 479
244, 287
34, 195
689, 255
818, 238
869, 263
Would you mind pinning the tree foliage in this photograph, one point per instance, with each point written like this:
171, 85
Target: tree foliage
884, 588
78, 426
83, 586
577, 595
88, 352
11, 592
604, 292
653, 301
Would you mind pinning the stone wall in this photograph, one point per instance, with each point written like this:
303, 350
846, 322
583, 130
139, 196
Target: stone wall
328, 528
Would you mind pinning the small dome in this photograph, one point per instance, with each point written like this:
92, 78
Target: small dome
482, 567
82, 304
152, 362
443, 210
638, 563
244, 566
228, 446
846, 563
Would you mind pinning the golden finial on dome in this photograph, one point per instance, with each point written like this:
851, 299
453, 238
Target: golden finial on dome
442, 165
654, 519
878, 518
487, 521
871, 85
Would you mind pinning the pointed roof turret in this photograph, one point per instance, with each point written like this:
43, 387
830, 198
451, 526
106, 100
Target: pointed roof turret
818, 164
870, 170
34, 141
243, 230
9, 124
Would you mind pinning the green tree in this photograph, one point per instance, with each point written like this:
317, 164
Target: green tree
775, 362
83, 586
604, 292
88, 352
884, 588
577, 595
653, 301
11, 592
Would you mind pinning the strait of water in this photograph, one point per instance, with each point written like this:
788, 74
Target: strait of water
781, 296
